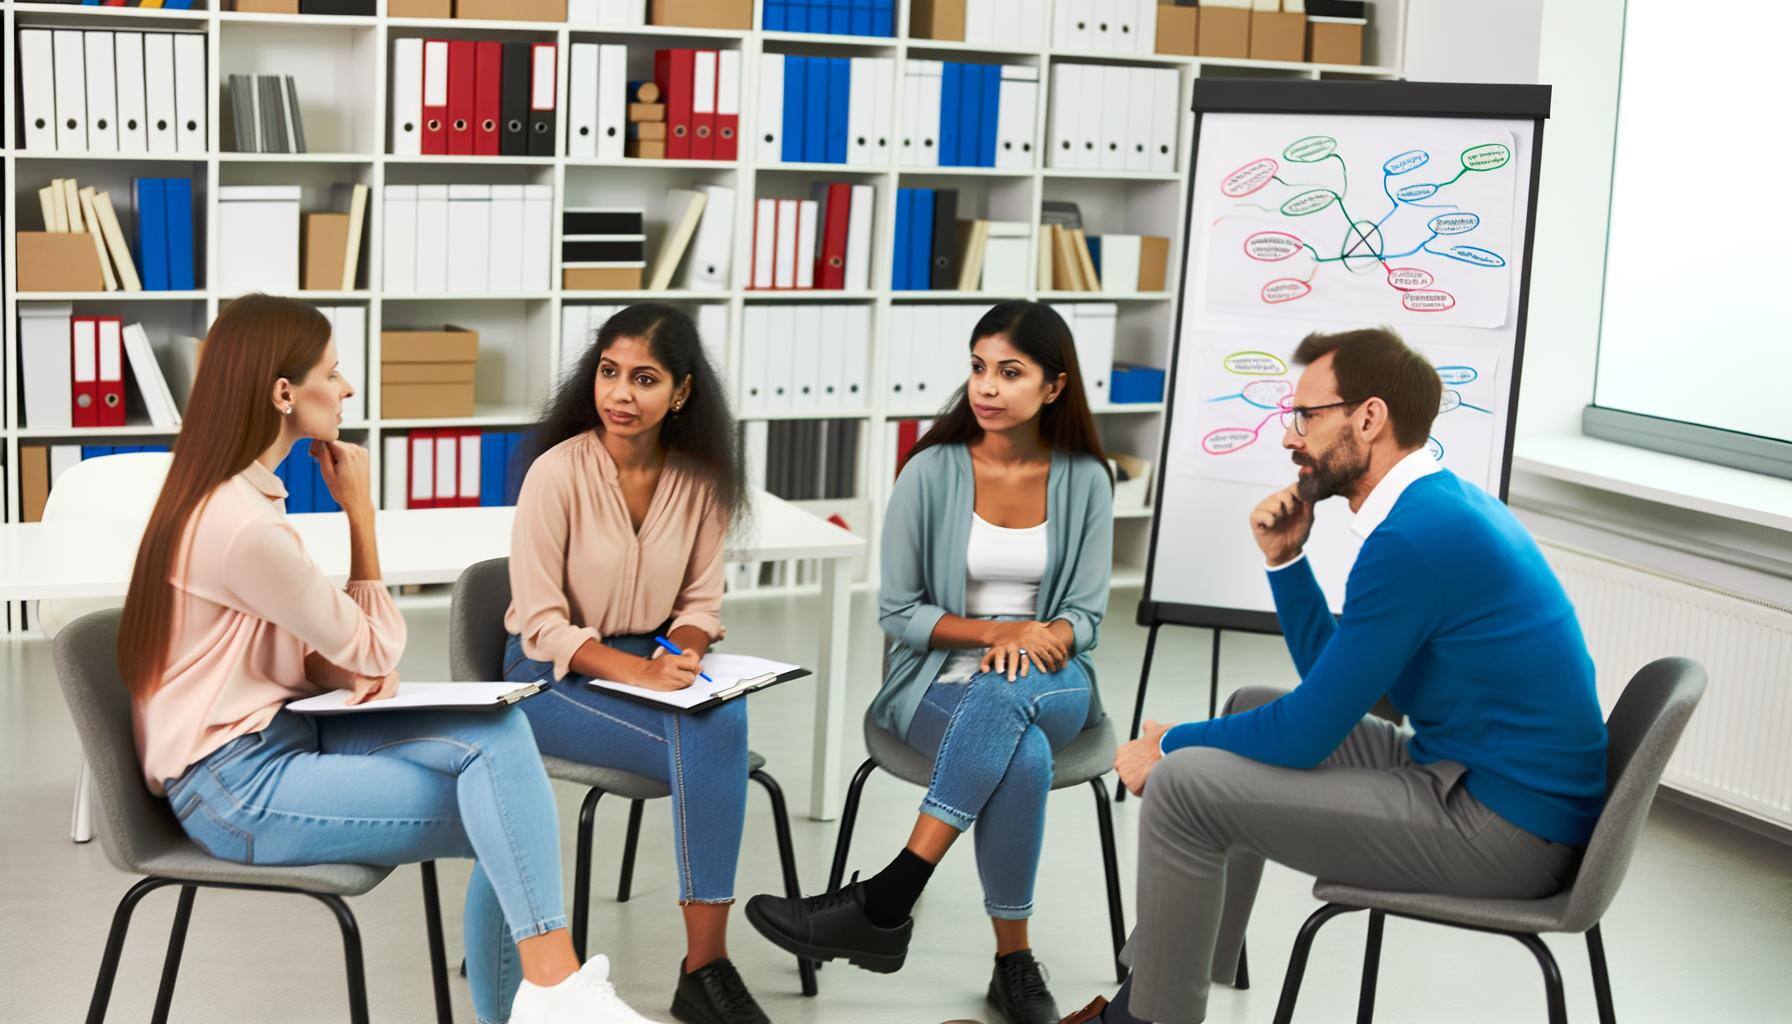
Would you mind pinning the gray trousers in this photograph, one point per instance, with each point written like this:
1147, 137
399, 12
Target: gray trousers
1367, 816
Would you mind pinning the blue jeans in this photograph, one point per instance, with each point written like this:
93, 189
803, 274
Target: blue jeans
392, 788
702, 757
991, 742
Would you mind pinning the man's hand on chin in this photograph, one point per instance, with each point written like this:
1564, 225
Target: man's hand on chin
1135, 758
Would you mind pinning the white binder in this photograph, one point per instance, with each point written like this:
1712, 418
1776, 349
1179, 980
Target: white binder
71, 90
1093, 328
898, 388
432, 239
861, 143
612, 101
37, 85
1016, 110
351, 357
582, 100
805, 358
407, 97
768, 122
921, 339
133, 129
575, 335
583, 12
399, 271
1120, 263
1144, 35
158, 91
1166, 108
447, 467
727, 96
784, 269
750, 380
858, 237
1065, 110
102, 93
506, 271
765, 241
1115, 92
808, 222
927, 114
469, 468
780, 325
397, 472
538, 237
703, 94
980, 24
1006, 270
1094, 121
857, 337
831, 361
883, 109
189, 93
1076, 25
708, 265
423, 470
1141, 100
712, 329
45, 364
469, 238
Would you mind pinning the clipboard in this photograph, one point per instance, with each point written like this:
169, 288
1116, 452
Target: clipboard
422, 696
736, 675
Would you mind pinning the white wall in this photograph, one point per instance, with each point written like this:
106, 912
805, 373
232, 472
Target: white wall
1473, 40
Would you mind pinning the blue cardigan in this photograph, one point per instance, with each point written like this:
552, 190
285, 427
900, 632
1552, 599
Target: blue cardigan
927, 534
1452, 611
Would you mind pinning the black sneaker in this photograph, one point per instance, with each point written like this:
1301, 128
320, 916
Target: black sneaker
714, 994
831, 925
1017, 990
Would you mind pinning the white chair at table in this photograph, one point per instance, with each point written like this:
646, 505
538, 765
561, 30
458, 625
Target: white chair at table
112, 487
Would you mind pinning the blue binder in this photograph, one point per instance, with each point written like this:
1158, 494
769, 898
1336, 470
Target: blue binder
840, 17
795, 87
899, 252
920, 251
298, 478
864, 17
491, 468
951, 112
152, 232
839, 101
803, 19
515, 467
970, 122
815, 111
884, 18
992, 105
775, 18
94, 451
177, 200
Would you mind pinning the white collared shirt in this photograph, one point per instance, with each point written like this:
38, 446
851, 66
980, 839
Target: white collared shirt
1415, 466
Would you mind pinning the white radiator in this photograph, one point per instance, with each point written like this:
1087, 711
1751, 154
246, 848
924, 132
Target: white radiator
1737, 750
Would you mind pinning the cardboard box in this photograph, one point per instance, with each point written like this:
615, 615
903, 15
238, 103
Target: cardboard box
266, 6
645, 149
323, 248
427, 374
1335, 40
1178, 29
648, 131
511, 10
58, 261
647, 113
1154, 262
1224, 32
34, 481
937, 19
732, 14
1278, 36
601, 279
419, 8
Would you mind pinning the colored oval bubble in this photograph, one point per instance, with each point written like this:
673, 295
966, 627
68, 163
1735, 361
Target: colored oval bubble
1414, 193
1310, 201
1453, 223
1285, 289
1452, 398
1227, 439
1249, 178
1411, 160
1428, 301
1256, 364
1488, 157
1435, 447
1478, 256
1270, 246
1458, 374
1310, 150
1268, 394
1407, 279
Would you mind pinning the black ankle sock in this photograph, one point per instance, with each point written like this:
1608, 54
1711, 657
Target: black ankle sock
1119, 1009
891, 893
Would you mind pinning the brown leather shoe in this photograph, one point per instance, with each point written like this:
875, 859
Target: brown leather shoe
1089, 1013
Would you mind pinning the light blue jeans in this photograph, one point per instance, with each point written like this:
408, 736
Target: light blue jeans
991, 742
701, 757
397, 787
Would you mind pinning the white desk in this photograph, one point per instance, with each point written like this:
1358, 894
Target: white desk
75, 560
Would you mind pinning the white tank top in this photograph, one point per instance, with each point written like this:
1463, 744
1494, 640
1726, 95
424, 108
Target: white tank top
1002, 570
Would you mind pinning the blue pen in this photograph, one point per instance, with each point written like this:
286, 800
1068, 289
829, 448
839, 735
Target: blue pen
673, 649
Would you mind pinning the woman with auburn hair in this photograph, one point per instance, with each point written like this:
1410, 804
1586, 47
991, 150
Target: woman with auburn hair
228, 619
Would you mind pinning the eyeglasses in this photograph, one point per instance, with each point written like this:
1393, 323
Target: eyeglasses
1296, 416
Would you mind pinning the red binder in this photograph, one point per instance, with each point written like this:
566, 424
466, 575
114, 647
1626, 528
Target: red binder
907, 433
830, 262
461, 64
110, 407
488, 96
728, 105
84, 338
435, 96
703, 104
672, 70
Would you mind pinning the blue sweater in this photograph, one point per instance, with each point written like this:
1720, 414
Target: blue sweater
1453, 613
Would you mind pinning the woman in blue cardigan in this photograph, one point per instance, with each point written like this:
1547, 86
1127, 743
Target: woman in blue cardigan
997, 551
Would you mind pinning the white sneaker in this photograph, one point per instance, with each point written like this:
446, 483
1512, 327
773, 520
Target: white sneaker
585, 998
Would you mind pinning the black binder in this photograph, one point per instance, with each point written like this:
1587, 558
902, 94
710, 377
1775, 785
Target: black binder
945, 239
514, 101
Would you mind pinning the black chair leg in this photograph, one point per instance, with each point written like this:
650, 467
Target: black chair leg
793, 888
177, 942
1241, 979
1365, 999
626, 881
1602, 982
1297, 960
438, 956
351, 955
1552, 975
121, 924
581, 872
1110, 862
848, 815
1138, 703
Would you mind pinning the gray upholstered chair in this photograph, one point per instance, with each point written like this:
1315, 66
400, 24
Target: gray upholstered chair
1644, 728
476, 639
1083, 762
140, 835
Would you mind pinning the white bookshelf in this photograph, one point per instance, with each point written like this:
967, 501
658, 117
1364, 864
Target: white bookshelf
341, 64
